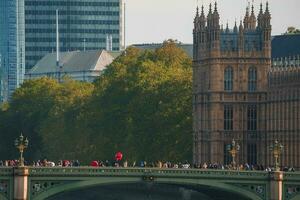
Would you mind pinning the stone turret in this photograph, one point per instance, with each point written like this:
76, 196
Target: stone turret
260, 18
196, 34
266, 32
241, 38
252, 20
214, 30
247, 19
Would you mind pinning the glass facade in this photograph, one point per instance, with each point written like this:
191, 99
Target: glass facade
12, 46
83, 25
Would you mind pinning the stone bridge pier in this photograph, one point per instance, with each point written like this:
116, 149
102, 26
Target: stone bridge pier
20, 183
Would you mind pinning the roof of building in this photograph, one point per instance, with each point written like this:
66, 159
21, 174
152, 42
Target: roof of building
188, 48
285, 45
74, 61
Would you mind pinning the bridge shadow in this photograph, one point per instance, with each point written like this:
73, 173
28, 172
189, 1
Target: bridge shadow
148, 191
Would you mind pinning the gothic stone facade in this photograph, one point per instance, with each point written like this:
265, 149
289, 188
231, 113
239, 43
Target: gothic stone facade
239, 95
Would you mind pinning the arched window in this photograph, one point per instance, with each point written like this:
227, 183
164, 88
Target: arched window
228, 117
228, 79
252, 79
252, 118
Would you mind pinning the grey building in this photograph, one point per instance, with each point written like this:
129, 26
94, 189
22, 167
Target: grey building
12, 46
83, 25
78, 65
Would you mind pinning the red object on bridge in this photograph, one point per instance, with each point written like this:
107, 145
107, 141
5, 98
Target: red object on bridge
94, 163
118, 156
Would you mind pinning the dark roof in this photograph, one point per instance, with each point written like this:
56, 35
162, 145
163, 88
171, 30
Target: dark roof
285, 45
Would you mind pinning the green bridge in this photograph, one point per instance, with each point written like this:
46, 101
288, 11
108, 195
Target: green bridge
24, 183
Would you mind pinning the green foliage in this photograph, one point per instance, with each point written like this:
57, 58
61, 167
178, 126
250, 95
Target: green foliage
292, 31
141, 105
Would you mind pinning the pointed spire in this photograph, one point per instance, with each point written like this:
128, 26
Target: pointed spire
235, 27
267, 8
261, 9
252, 19
252, 9
202, 10
202, 18
247, 9
216, 7
260, 16
241, 26
246, 18
197, 15
210, 10
227, 28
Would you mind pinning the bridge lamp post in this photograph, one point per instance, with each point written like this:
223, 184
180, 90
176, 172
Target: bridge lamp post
21, 143
233, 149
276, 149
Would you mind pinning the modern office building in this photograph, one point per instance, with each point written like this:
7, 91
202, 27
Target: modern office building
12, 46
239, 94
83, 25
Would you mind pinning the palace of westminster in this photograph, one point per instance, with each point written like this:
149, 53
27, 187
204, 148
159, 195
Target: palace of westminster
238, 93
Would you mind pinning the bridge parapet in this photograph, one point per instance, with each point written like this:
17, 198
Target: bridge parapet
6, 171
108, 171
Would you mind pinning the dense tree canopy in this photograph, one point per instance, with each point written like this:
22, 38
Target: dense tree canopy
141, 105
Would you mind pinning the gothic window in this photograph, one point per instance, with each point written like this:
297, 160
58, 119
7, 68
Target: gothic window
252, 79
228, 117
227, 156
252, 154
252, 118
228, 79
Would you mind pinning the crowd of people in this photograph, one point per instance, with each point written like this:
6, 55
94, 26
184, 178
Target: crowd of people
158, 164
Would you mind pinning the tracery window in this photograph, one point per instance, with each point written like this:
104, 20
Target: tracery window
228, 117
252, 79
228, 79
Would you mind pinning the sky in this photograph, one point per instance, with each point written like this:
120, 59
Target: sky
153, 21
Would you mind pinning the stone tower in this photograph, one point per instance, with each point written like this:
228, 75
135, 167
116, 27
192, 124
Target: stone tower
230, 70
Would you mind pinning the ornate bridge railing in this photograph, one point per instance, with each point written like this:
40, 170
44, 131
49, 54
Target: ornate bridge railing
88, 171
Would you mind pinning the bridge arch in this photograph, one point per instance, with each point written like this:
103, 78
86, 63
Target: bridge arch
3, 197
105, 181
297, 197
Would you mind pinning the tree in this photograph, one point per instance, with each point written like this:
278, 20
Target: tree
292, 30
141, 105
144, 105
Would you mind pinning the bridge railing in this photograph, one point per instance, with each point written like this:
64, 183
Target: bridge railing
111, 171
6, 171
